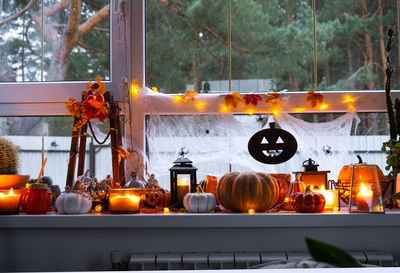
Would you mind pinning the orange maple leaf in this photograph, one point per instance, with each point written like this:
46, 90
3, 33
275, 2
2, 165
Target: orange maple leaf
233, 99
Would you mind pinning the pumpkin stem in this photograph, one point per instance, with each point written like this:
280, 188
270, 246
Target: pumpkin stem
199, 189
360, 161
308, 189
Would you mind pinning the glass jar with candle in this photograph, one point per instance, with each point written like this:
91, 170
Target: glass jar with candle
9, 201
124, 200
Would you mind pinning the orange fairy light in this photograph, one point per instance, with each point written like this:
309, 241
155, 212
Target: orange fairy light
178, 98
299, 109
323, 106
224, 109
166, 210
200, 104
349, 100
155, 89
251, 211
275, 112
135, 88
250, 112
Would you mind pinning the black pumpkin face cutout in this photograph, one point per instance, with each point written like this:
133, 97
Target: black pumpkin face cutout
272, 146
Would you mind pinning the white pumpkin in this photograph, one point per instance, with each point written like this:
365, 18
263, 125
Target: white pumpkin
71, 202
200, 202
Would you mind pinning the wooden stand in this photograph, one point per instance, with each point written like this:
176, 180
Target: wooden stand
78, 145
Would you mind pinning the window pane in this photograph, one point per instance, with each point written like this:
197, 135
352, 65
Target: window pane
215, 141
186, 45
272, 45
81, 56
351, 38
26, 133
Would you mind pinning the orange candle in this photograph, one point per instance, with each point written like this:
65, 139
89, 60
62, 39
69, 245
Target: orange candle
364, 198
183, 188
9, 201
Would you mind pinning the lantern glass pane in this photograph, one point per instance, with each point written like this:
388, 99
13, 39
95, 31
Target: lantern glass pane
183, 186
366, 191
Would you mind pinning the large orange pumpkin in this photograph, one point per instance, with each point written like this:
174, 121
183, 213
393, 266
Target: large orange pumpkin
240, 192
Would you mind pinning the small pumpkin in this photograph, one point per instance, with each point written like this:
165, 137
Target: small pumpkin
240, 192
309, 201
151, 201
296, 186
73, 202
200, 201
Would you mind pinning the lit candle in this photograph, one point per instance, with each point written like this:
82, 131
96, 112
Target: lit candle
9, 201
183, 188
124, 203
364, 198
331, 198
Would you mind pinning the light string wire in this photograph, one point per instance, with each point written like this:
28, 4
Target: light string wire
42, 45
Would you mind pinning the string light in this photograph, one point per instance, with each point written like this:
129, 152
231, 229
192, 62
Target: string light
166, 210
224, 108
155, 89
98, 208
299, 109
200, 104
349, 100
178, 98
250, 112
275, 112
323, 106
251, 211
135, 88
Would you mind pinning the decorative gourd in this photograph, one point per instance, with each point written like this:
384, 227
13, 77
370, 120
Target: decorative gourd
200, 201
73, 202
296, 186
152, 201
283, 181
309, 201
240, 192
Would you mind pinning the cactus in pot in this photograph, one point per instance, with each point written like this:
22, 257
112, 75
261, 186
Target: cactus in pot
9, 165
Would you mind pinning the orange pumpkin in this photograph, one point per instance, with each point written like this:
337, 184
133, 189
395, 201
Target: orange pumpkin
296, 186
151, 201
240, 192
360, 169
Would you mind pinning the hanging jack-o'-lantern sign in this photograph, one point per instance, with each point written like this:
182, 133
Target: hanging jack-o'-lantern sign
272, 146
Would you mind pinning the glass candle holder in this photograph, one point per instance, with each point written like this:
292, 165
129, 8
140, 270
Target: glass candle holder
331, 198
10, 201
124, 200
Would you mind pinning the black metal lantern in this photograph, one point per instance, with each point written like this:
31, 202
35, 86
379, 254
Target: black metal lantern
183, 179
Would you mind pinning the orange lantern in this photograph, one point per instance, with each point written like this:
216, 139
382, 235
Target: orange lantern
365, 191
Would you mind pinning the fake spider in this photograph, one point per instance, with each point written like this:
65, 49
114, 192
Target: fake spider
327, 150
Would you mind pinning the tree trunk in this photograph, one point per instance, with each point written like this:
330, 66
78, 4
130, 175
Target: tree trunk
350, 62
327, 73
382, 41
368, 46
196, 77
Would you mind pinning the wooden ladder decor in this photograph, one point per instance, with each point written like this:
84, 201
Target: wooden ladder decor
78, 145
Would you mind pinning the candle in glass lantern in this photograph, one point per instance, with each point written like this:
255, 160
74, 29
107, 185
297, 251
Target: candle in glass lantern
364, 198
9, 201
183, 187
123, 200
331, 198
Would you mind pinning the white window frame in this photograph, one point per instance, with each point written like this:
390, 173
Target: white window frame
48, 98
367, 101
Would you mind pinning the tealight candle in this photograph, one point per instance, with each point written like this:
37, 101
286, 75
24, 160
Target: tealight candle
183, 188
331, 198
9, 201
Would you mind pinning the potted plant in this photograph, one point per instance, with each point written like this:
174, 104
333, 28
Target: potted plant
392, 147
9, 165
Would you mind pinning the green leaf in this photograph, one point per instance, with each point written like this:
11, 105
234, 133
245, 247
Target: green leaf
387, 168
396, 196
330, 254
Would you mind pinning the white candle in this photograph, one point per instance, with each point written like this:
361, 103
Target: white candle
331, 198
183, 188
364, 198
124, 203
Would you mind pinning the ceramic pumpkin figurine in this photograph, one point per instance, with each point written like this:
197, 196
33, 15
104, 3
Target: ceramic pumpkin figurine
283, 181
200, 201
294, 187
308, 201
240, 192
151, 201
73, 202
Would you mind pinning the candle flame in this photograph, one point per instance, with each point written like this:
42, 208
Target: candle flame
11, 192
182, 181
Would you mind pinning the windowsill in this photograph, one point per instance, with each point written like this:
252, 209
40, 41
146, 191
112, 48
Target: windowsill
207, 220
